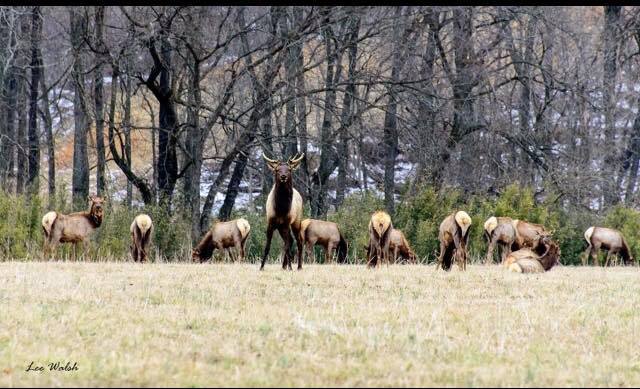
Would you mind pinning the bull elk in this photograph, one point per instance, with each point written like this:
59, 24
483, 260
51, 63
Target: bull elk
399, 245
223, 235
141, 230
73, 228
454, 236
380, 227
526, 260
284, 209
326, 234
607, 239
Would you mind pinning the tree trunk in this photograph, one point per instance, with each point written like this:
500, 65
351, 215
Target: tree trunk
612, 20
48, 128
390, 137
22, 165
126, 124
98, 96
80, 179
328, 160
347, 107
33, 182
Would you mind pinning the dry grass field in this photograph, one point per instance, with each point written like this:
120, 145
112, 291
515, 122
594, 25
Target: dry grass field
223, 324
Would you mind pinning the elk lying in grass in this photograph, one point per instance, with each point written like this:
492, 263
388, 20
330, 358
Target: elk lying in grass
284, 209
399, 245
380, 227
326, 234
528, 261
73, 228
223, 235
607, 239
141, 230
454, 236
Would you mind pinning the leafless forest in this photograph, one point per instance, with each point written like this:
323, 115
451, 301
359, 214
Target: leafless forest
175, 105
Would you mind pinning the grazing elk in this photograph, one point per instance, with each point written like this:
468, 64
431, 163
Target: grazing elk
499, 231
380, 227
513, 234
529, 235
326, 234
141, 230
398, 244
607, 239
454, 236
528, 261
284, 209
73, 228
223, 235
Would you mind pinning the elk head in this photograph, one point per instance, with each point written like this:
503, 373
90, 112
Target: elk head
97, 207
282, 170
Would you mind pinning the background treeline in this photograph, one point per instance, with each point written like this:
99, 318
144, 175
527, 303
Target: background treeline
530, 112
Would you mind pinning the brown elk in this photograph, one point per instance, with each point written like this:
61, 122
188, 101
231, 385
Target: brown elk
284, 209
73, 228
380, 227
141, 230
326, 234
398, 244
223, 235
454, 236
513, 234
528, 261
607, 239
499, 231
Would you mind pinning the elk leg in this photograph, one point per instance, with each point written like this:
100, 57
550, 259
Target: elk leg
328, 253
267, 247
285, 234
296, 233
443, 249
489, 258
585, 256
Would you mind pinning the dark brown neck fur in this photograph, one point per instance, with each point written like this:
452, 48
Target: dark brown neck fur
205, 247
283, 196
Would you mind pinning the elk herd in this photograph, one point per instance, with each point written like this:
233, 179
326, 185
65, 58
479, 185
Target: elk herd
524, 247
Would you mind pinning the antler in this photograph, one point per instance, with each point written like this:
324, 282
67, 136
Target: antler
295, 159
269, 159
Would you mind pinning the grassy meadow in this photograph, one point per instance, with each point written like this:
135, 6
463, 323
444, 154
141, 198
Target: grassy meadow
402, 325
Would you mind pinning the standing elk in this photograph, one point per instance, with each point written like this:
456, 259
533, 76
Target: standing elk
223, 235
380, 227
454, 236
141, 230
398, 244
284, 209
499, 231
73, 228
326, 234
528, 261
607, 239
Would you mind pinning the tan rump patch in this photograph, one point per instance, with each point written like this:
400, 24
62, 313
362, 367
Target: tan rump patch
588, 233
381, 222
463, 218
48, 219
243, 226
514, 267
143, 221
491, 224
